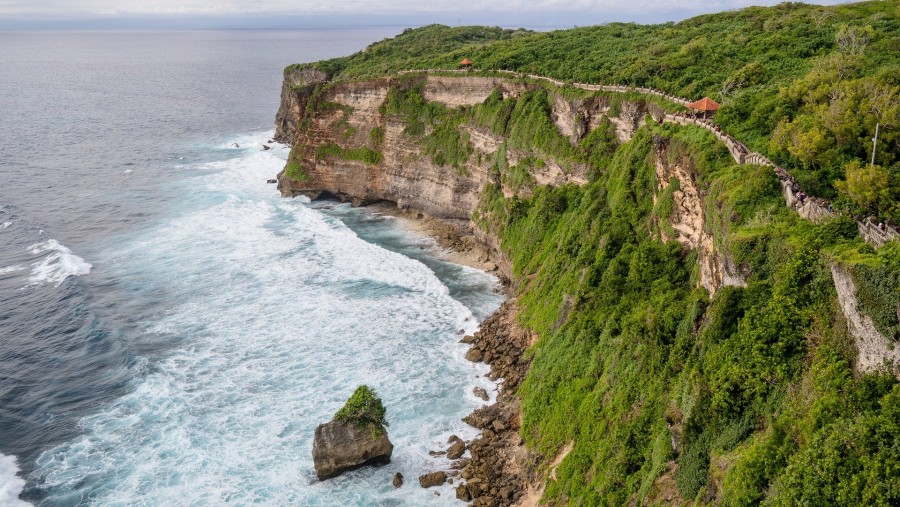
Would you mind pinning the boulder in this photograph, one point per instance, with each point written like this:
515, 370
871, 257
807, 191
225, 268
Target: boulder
398, 480
340, 446
456, 450
462, 492
481, 393
473, 355
432, 479
271, 180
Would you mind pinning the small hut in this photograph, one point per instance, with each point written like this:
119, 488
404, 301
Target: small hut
465, 64
706, 104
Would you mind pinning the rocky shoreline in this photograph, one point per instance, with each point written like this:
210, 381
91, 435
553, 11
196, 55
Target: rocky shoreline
500, 472
460, 241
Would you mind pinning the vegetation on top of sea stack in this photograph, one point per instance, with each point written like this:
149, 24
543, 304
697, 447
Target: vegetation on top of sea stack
364, 408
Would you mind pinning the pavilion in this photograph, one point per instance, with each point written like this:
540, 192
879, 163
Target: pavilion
466, 63
706, 104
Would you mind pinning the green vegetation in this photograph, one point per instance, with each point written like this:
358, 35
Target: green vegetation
803, 84
756, 380
878, 290
362, 154
414, 48
364, 408
747, 396
294, 171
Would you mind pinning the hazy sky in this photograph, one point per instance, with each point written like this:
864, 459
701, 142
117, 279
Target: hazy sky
252, 13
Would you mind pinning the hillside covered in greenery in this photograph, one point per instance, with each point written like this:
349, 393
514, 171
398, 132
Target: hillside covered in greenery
665, 392
754, 386
803, 84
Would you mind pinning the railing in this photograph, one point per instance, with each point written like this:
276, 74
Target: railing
877, 235
808, 207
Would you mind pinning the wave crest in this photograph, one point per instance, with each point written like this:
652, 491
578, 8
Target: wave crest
10, 483
58, 265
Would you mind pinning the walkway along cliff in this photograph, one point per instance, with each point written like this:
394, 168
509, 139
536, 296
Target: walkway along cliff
485, 154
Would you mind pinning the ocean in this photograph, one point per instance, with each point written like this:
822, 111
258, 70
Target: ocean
171, 330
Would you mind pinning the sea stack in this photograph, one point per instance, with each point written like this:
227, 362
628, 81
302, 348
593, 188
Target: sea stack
355, 437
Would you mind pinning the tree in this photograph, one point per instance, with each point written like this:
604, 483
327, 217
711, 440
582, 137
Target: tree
868, 187
853, 39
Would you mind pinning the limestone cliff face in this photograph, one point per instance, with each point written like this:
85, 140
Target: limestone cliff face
689, 222
876, 351
404, 174
347, 116
576, 118
467, 91
295, 91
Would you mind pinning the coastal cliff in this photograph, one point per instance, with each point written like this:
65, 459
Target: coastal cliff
346, 144
354, 150
680, 328
498, 163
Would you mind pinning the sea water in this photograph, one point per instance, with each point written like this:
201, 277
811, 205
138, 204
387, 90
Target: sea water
171, 330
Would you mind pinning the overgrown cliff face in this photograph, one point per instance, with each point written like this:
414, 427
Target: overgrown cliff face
295, 91
874, 348
347, 143
686, 221
692, 343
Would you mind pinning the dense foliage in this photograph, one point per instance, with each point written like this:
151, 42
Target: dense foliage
743, 397
755, 384
364, 408
803, 84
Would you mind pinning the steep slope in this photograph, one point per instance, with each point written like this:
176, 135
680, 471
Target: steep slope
696, 339
818, 78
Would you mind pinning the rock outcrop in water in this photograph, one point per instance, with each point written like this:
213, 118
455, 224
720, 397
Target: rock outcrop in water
341, 446
356, 437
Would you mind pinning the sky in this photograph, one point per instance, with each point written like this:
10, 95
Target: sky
313, 13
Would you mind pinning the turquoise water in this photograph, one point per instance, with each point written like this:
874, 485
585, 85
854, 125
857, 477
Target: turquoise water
175, 340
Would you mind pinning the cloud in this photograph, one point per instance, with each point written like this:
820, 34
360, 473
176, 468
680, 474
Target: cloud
113, 8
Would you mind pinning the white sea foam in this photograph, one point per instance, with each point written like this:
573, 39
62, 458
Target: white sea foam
58, 264
5, 225
11, 269
282, 312
10, 484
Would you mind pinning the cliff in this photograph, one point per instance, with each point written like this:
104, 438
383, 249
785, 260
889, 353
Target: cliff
686, 317
351, 148
398, 170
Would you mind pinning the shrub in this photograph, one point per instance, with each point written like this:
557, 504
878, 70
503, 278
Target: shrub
364, 408
294, 171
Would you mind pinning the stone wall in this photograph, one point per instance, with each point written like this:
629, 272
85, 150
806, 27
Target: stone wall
877, 234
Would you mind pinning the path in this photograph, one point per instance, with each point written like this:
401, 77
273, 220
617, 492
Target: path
808, 207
